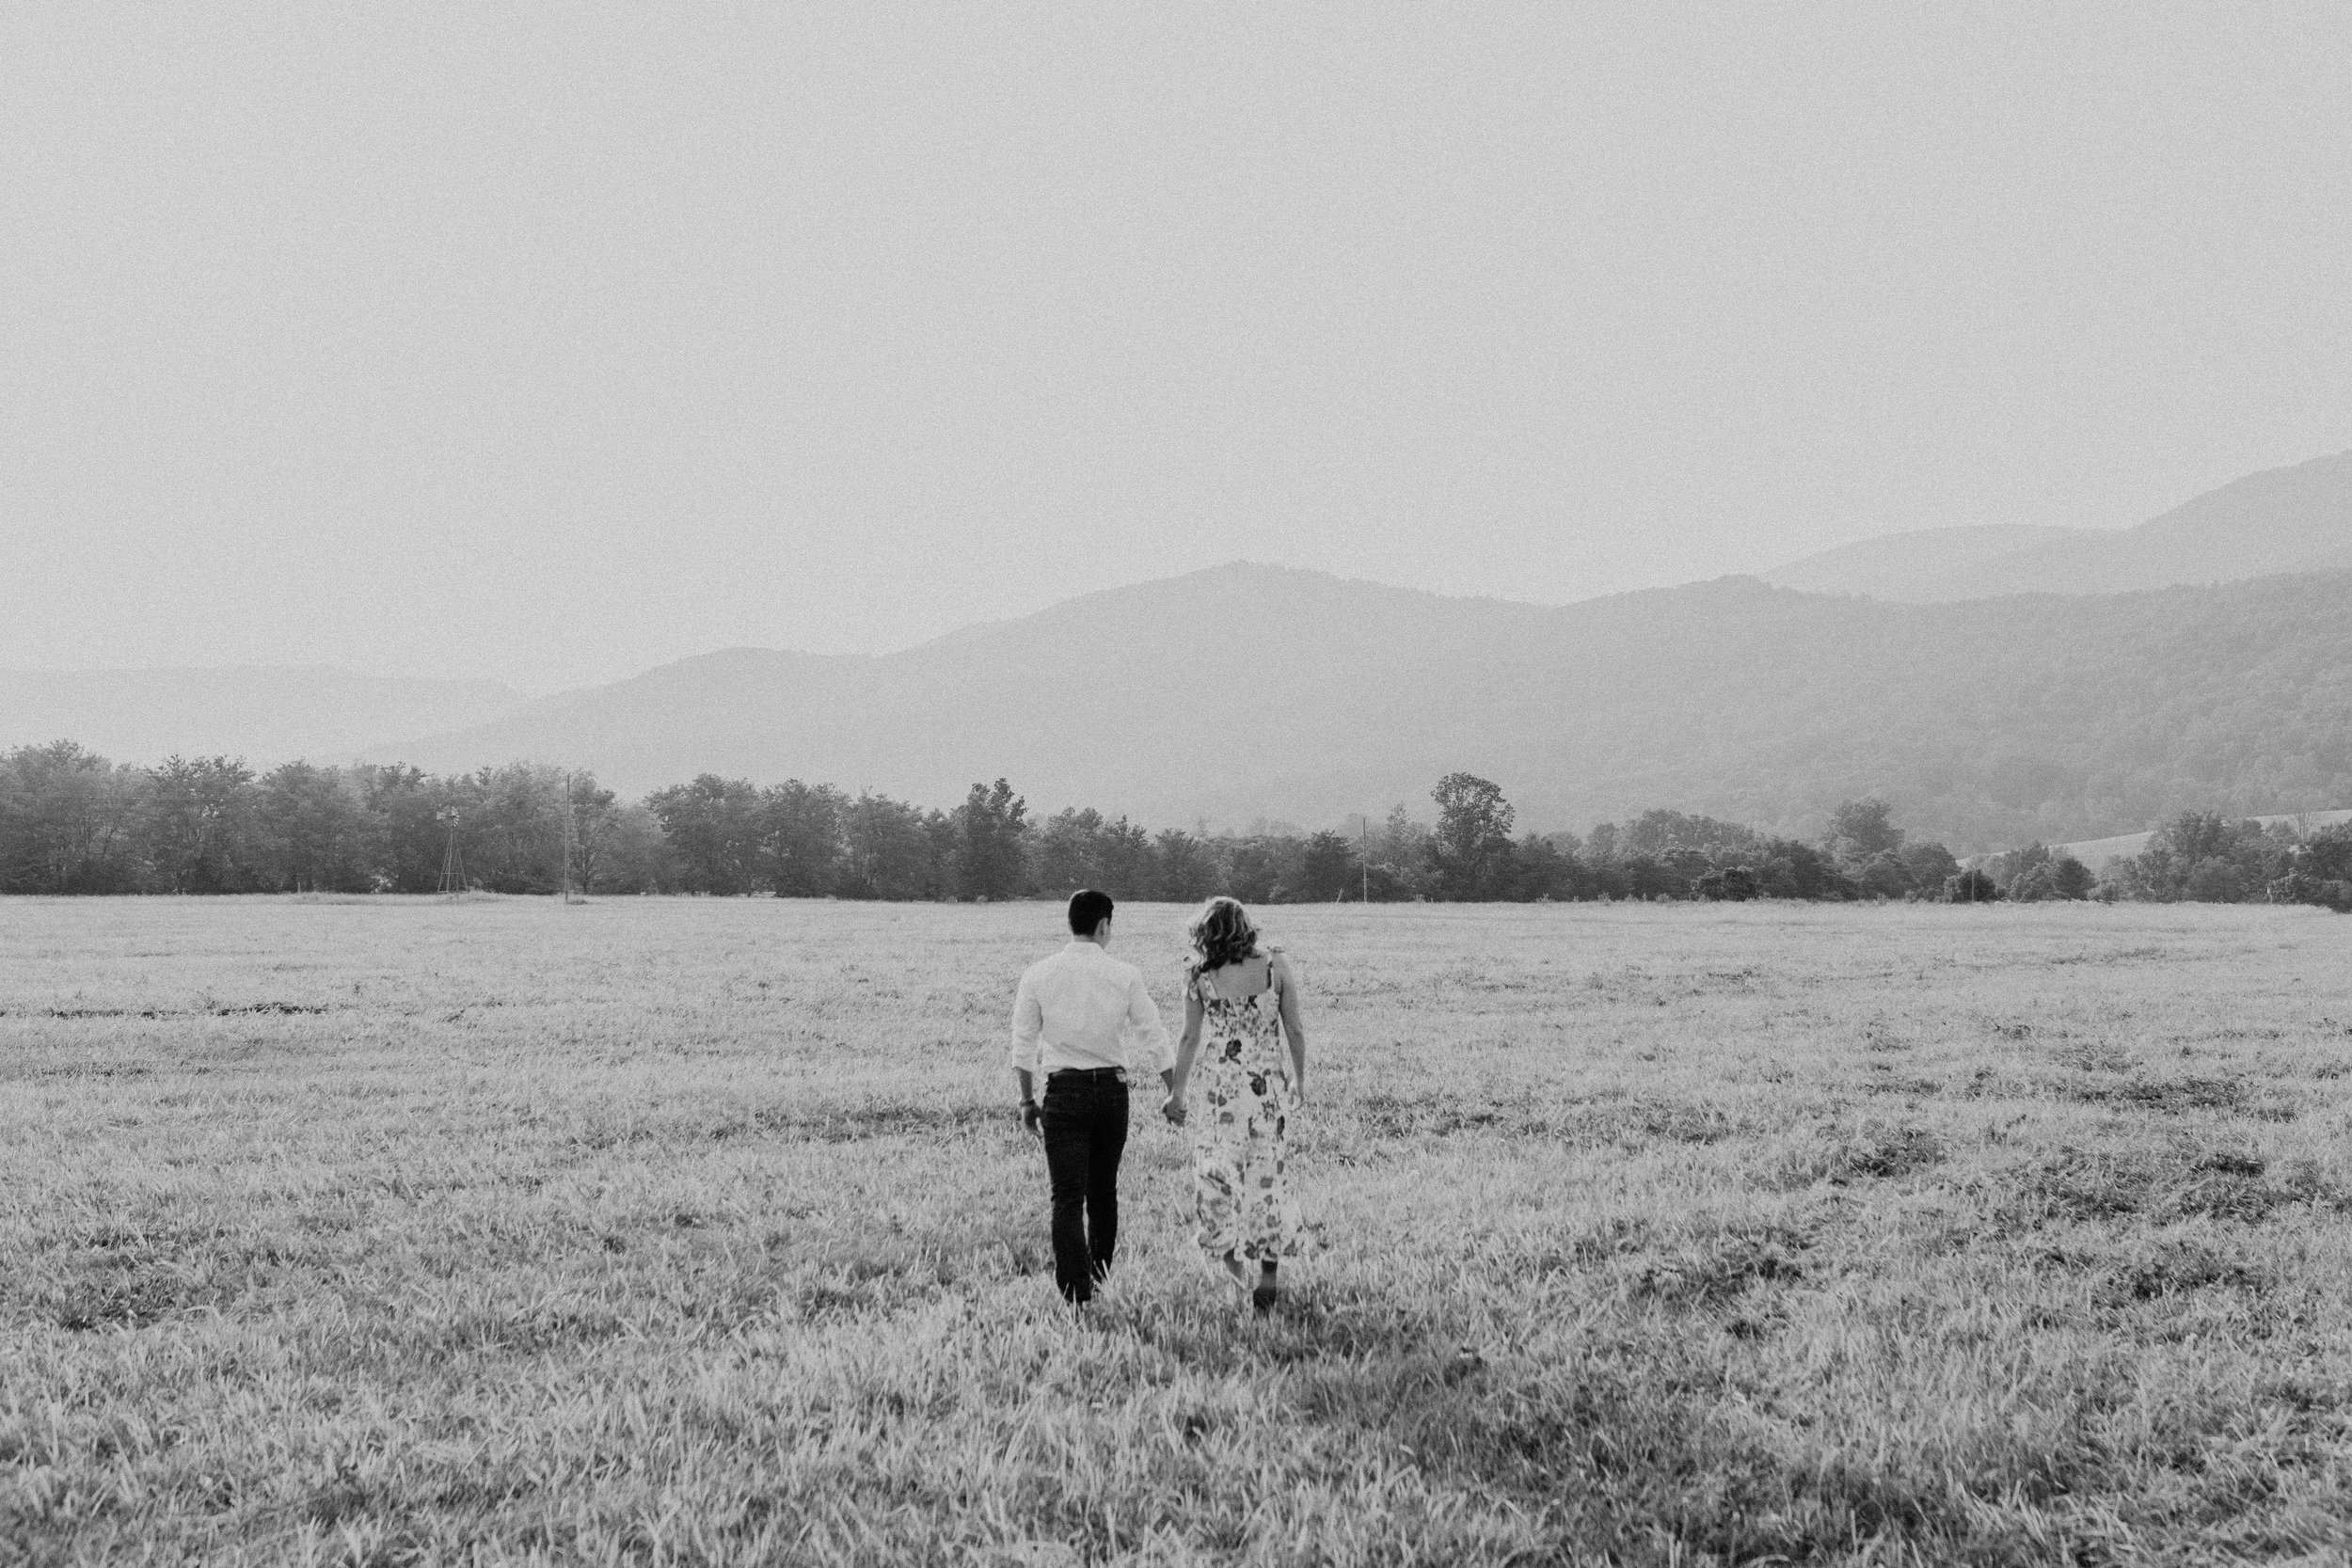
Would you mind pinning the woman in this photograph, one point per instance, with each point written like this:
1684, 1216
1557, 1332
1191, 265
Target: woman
1245, 1001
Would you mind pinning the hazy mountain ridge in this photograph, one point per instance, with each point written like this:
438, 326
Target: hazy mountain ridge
2291, 519
266, 714
1153, 682
1247, 691
1894, 565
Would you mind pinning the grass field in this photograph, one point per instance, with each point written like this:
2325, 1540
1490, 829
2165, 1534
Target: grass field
699, 1231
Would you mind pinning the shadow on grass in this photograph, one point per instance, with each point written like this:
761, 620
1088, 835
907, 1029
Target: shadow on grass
1873, 1151
2182, 1179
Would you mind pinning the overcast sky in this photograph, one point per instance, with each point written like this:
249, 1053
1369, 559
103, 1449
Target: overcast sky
549, 343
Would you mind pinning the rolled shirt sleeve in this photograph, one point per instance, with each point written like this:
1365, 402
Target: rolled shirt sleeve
1143, 1021
1028, 1025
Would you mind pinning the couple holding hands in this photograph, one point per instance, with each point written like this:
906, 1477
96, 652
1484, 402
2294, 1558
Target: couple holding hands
1073, 1019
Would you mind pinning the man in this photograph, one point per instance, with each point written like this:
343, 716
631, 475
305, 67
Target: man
1071, 1023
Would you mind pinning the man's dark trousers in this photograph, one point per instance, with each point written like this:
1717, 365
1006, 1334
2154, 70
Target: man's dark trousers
1086, 1133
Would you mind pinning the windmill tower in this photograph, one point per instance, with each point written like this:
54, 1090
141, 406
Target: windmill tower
453, 863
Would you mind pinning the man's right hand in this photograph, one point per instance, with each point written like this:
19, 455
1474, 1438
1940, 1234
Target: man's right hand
1032, 1119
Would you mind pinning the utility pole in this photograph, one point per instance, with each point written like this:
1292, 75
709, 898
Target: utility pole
571, 838
1363, 851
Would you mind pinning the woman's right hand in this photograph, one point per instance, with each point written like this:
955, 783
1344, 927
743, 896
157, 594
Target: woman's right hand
1173, 1109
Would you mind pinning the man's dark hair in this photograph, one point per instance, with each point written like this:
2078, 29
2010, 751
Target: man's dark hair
1088, 910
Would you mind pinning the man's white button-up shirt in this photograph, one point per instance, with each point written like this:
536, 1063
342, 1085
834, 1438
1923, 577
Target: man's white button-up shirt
1080, 1008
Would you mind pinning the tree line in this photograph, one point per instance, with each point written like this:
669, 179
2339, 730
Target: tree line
2197, 857
73, 822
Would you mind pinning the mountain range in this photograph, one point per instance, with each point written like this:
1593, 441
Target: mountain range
1248, 691
2293, 519
1255, 691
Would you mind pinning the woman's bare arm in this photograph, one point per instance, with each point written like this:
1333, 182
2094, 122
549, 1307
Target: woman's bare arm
1286, 991
1187, 1047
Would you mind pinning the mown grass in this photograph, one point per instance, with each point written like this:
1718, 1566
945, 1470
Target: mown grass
695, 1231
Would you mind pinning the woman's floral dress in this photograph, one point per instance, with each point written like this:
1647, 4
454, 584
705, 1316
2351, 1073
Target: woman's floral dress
1245, 1078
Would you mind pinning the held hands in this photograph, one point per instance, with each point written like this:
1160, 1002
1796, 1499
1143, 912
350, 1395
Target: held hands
1173, 1108
1032, 1119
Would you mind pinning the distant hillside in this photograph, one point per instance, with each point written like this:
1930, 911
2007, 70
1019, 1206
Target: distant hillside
1251, 690
2095, 854
2296, 519
266, 714
1913, 566
1165, 698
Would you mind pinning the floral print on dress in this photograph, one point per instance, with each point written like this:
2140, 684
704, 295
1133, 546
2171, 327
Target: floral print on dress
1237, 1151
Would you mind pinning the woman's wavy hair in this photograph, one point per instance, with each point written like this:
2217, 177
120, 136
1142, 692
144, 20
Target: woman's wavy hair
1222, 933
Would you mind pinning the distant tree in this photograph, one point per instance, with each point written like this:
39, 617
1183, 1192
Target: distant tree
2215, 879
1184, 869
1066, 853
2050, 876
1649, 877
1790, 868
1861, 831
1542, 868
71, 821
313, 830
1400, 855
2006, 868
596, 826
513, 826
630, 855
1884, 875
1129, 866
1470, 851
1931, 865
990, 828
1972, 887
2033, 886
1733, 884
202, 812
801, 838
2069, 877
888, 850
1328, 869
2335, 894
1664, 832
712, 827
1244, 869
2198, 835
400, 803
2317, 870
2327, 854
946, 832
2203, 857
1078, 848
